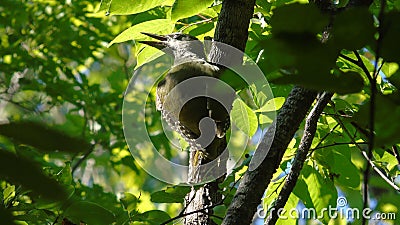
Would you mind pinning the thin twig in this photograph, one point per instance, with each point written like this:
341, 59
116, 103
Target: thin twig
384, 177
349, 59
341, 115
364, 154
364, 68
187, 204
304, 147
202, 17
193, 212
55, 221
18, 105
396, 153
326, 135
80, 161
276, 189
372, 109
339, 143
198, 22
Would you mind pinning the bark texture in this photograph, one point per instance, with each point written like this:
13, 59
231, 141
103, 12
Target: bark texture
251, 188
309, 132
232, 29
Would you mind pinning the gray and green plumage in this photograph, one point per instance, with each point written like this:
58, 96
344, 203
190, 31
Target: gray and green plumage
183, 115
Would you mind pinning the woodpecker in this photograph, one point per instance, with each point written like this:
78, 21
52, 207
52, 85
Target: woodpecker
185, 115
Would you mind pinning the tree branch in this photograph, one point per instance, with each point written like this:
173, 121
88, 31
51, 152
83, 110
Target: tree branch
379, 172
338, 144
82, 159
361, 64
254, 182
355, 62
305, 144
325, 136
396, 153
371, 138
371, 163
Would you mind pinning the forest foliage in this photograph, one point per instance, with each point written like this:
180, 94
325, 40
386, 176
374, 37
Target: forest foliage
65, 66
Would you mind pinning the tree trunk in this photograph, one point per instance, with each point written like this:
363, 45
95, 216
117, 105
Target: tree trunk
232, 29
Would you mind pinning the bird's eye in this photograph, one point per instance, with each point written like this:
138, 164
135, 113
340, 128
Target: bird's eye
177, 36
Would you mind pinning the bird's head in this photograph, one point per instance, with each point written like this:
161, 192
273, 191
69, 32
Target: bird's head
181, 46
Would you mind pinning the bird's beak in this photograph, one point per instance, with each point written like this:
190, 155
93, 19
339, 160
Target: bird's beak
161, 44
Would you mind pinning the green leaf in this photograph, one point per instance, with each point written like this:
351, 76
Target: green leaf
353, 29
29, 175
5, 215
272, 105
43, 203
153, 217
244, 117
344, 167
344, 83
338, 162
287, 19
322, 191
290, 217
386, 159
390, 68
126, 7
186, 8
278, 55
294, 51
389, 204
174, 194
147, 54
220, 211
42, 137
73, 124
34, 216
295, 55
354, 197
233, 79
104, 6
395, 79
129, 201
160, 12
201, 30
265, 119
8, 194
90, 213
65, 175
159, 26
301, 191
129, 161
272, 194
391, 36
387, 110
